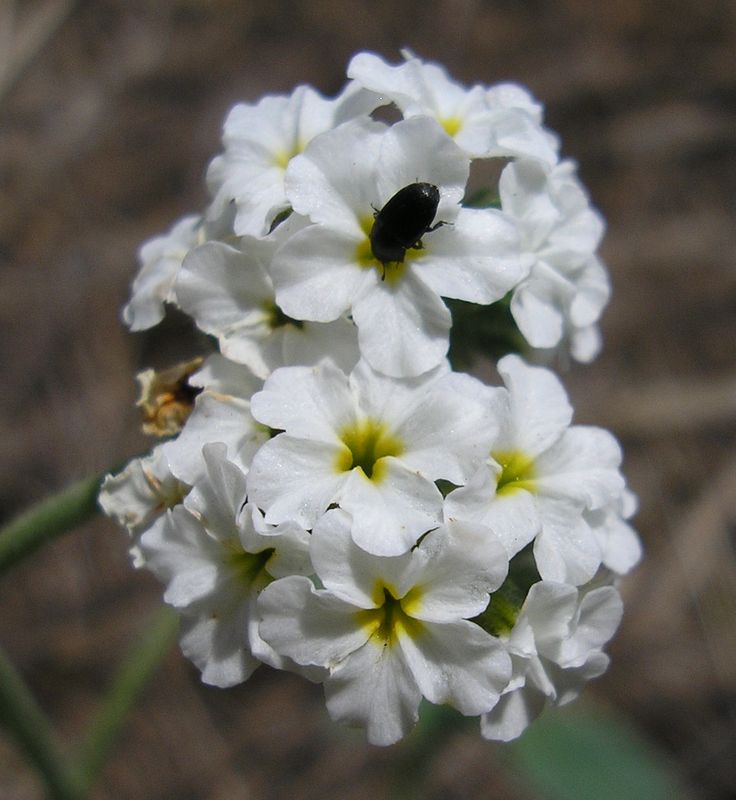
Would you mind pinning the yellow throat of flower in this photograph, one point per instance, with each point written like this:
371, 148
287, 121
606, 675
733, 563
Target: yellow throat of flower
366, 445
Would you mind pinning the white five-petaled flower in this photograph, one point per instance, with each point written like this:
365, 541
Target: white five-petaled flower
542, 476
327, 269
568, 286
260, 139
373, 445
555, 648
393, 630
229, 293
215, 555
502, 120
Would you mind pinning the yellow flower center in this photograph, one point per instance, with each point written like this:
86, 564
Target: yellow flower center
281, 158
366, 446
451, 125
390, 621
517, 471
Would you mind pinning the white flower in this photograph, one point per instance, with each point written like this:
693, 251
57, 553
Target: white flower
620, 545
229, 294
260, 139
221, 414
215, 559
334, 499
501, 121
138, 495
391, 630
160, 260
568, 286
542, 475
372, 444
555, 647
328, 268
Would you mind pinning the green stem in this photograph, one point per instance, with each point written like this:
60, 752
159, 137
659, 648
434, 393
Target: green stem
46, 520
27, 723
132, 677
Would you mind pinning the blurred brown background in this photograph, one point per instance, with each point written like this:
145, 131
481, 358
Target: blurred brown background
109, 113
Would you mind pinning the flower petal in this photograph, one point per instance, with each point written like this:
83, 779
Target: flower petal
539, 405
418, 150
306, 402
217, 646
513, 517
316, 276
566, 550
515, 711
375, 688
461, 564
347, 570
389, 516
403, 329
583, 467
333, 182
308, 626
477, 258
458, 663
294, 479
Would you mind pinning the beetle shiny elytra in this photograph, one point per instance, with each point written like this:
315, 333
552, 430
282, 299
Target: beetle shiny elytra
402, 222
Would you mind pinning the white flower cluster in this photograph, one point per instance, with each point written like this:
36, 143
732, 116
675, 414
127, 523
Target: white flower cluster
339, 501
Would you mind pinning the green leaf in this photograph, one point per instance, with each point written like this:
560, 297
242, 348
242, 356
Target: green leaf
588, 754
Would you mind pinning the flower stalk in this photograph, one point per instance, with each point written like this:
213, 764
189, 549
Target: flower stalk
28, 725
72, 779
132, 677
48, 519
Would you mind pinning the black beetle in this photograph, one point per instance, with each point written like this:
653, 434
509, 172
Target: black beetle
401, 223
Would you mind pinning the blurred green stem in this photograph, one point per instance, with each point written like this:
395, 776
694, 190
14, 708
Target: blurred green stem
46, 520
19, 711
130, 681
28, 725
